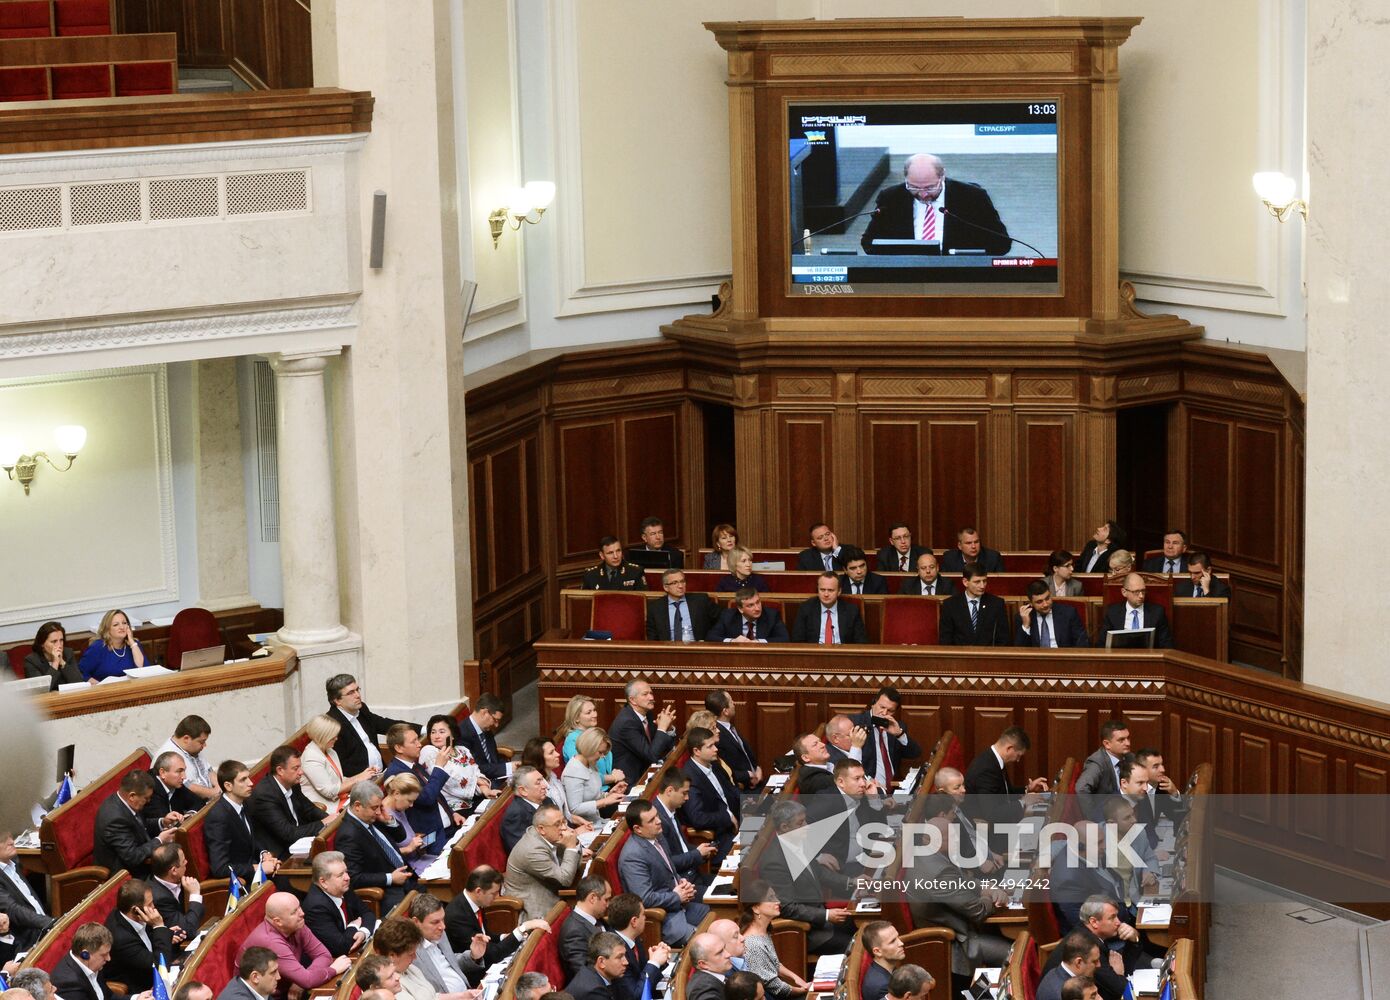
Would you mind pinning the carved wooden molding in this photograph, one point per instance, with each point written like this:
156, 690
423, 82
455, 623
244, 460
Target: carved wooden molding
717, 385
1147, 385
922, 64
1235, 388
622, 385
1246, 709
1045, 388
933, 388
802, 386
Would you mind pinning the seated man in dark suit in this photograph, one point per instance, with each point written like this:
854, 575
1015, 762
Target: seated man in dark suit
714, 803
884, 945
973, 617
829, 620
1165, 798
1100, 773
139, 938
176, 894
1135, 613
816, 769
431, 813
280, 811
372, 847
1174, 558
737, 753
671, 797
887, 744
228, 832
605, 968
928, 580
77, 976
463, 922
928, 205
803, 885
640, 735
28, 918
857, 579
361, 727
857, 802
654, 540
748, 621
678, 616
612, 572
1046, 625
628, 918
646, 870
586, 919
336, 915
1202, 582
900, 555
530, 792
709, 957
170, 801
123, 840
476, 734
824, 553
1079, 956
990, 798
1118, 943
969, 550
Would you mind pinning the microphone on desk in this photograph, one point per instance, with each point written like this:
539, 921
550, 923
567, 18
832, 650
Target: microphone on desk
993, 232
848, 218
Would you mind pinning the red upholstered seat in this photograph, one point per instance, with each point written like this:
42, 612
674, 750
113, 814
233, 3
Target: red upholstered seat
141, 80
484, 847
1071, 808
83, 17
28, 84
954, 755
25, 20
16, 655
1032, 971
625, 615
615, 882
94, 909
911, 621
72, 826
215, 963
81, 82
1157, 590
193, 628
190, 836
546, 957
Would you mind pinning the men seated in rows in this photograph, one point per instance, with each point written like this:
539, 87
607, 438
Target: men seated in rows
26, 919
824, 553
177, 895
431, 813
900, 555
953, 899
604, 968
257, 976
991, 798
647, 870
1165, 799
884, 946
1100, 772
591, 898
333, 912
1174, 558
969, 550
373, 847
857, 579
139, 938
949, 781
530, 791
377, 978
1047, 625
653, 531
678, 616
478, 949
640, 735
77, 976
233, 843
302, 958
709, 958
628, 919
122, 839
612, 571
1086, 869
828, 620
435, 959
280, 811
533, 986
816, 769
1201, 580
803, 880
736, 752
1118, 942
477, 735
671, 796
189, 740
888, 743
169, 800
973, 617
361, 727
1136, 613
928, 582
543, 862
1079, 957
1134, 789
713, 802
749, 621
1058, 579
400, 940
727, 931
844, 740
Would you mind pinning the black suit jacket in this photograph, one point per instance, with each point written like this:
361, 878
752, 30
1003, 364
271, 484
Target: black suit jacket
71, 983
704, 810
367, 861
131, 962
573, 943
352, 753
874, 985
1066, 627
810, 559
802, 895
1154, 617
698, 609
811, 615
484, 750
230, 842
990, 798
888, 559
162, 803
36, 666
738, 753
1109, 982
26, 923
897, 751
730, 626
945, 586
122, 840
517, 820
685, 860
275, 827
460, 924
323, 917
630, 986
589, 985
1219, 588
873, 584
993, 628
953, 560
814, 781
703, 986
633, 751
177, 912
1156, 563
975, 226
1102, 564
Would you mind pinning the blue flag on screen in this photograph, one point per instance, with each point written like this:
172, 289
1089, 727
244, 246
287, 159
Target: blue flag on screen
161, 991
64, 791
233, 891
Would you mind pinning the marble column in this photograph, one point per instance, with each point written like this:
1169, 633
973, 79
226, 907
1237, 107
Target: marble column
224, 578
308, 539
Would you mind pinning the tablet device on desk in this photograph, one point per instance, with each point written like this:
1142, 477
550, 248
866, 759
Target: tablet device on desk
1129, 638
648, 559
209, 656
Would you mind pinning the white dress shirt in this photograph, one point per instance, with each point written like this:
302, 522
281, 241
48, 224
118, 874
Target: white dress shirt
373, 754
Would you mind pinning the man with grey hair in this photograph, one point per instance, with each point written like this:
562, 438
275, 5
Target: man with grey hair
844, 739
543, 862
640, 735
709, 956
1120, 950
531, 790
335, 914
361, 727
532, 985
35, 982
372, 846
170, 799
803, 883
910, 982
14, 993
942, 214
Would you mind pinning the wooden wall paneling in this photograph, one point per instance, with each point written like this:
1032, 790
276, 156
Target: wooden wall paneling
587, 485
292, 44
1064, 726
480, 507
957, 489
775, 726
1256, 494
1095, 458
208, 23
847, 512
805, 474
1002, 459
923, 723
1292, 636
1369, 817
649, 468
693, 530
250, 44
893, 480
1310, 817
1045, 489
511, 492
1209, 483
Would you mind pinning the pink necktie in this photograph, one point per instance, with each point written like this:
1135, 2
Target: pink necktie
929, 222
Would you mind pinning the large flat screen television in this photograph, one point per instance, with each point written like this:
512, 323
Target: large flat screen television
923, 198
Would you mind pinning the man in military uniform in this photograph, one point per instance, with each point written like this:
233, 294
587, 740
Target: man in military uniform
611, 572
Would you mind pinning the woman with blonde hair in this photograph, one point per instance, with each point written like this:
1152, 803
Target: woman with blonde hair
322, 781
704, 719
115, 650
741, 574
401, 792
1121, 562
580, 714
583, 786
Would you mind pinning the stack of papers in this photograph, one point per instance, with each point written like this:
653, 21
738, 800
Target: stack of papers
1155, 916
827, 972
721, 888
909, 782
869, 904
587, 837
731, 861
149, 671
438, 871
302, 847
1145, 981
776, 781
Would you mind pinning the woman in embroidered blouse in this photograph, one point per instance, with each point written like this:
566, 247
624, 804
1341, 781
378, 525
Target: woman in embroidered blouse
760, 954
401, 792
722, 538
442, 750
580, 714
741, 574
322, 780
115, 650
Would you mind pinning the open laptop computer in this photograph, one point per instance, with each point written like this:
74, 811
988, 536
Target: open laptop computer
210, 656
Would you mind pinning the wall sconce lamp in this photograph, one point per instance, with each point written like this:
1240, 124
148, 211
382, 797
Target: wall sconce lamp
1277, 191
536, 197
20, 466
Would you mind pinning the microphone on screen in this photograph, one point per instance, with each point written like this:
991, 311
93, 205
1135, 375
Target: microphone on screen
848, 218
985, 229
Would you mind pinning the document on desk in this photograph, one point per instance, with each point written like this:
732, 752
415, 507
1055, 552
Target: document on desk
1156, 916
827, 972
722, 887
1145, 982
302, 847
149, 671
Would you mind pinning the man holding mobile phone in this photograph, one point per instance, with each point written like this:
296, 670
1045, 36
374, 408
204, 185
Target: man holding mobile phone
139, 938
888, 744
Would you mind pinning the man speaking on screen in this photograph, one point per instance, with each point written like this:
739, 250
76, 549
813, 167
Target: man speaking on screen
929, 206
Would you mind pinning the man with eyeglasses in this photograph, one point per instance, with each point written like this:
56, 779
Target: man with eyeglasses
929, 206
1135, 613
900, 555
678, 616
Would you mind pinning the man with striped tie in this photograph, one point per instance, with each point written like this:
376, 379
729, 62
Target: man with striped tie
940, 211
973, 617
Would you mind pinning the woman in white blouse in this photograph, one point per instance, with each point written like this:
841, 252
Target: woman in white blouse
323, 781
584, 785
442, 750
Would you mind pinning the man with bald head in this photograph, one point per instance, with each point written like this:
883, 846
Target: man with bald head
727, 931
710, 960
942, 212
302, 958
928, 581
1135, 612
